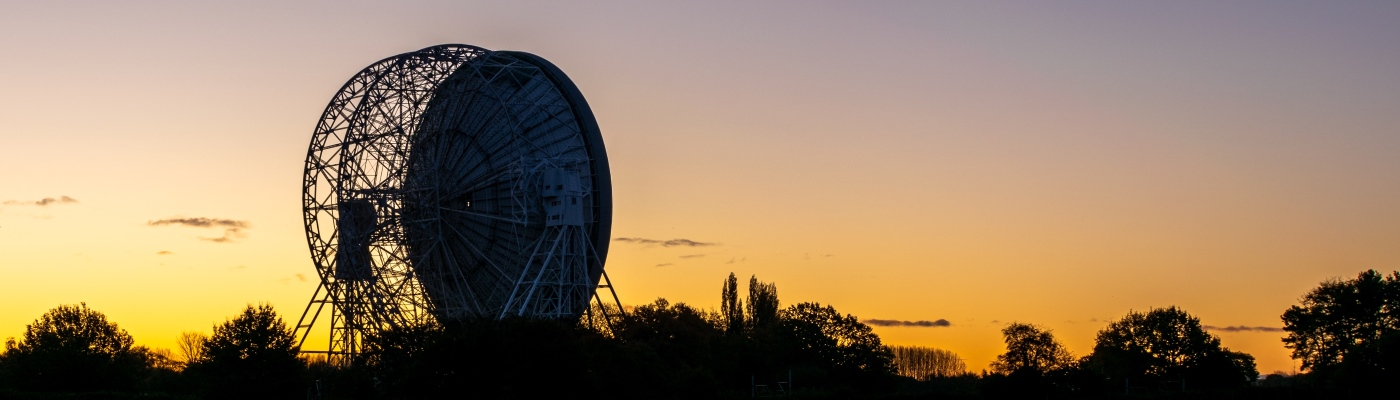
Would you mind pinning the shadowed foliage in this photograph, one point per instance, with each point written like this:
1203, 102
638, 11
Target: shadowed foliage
730, 307
250, 356
1034, 364
1028, 347
507, 359
666, 350
1167, 347
72, 348
763, 304
1348, 331
837, 342
925, 363
657, 350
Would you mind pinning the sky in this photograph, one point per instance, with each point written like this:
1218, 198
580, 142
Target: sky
979, 163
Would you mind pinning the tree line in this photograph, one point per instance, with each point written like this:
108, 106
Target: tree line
751, 346
1346, 333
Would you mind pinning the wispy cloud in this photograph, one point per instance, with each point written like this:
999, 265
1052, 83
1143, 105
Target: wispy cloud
692, 256
1242, 328
664, 264
732, 260
940, 323
47, 201
200, 222
666, 243
233, 229
229, 236
164, 253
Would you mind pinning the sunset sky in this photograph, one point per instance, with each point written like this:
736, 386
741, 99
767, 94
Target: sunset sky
1056, 163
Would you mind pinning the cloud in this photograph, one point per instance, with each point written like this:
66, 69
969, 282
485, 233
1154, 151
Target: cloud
288, 280
43, 202
692, 256
917, 324
229, 236
667, 243
731, 260
664, 264
233, 229
164, 253
1243, 328
200, 222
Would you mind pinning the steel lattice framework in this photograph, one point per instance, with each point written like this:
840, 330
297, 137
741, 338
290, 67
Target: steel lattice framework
454, 182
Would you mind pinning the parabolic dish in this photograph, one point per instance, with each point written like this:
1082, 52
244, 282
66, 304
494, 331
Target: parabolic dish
457, 182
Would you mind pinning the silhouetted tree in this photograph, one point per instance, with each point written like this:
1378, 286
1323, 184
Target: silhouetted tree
1034, 365
841, 343
158, 358
731, 309
251, 356
683, 336
327, 380
763, 303
191, 346
1028, 347
161, 373
923, 363
73, 348
1349, 330
1167, 344
497, 359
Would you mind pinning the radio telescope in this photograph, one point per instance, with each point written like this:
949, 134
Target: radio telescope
454, 182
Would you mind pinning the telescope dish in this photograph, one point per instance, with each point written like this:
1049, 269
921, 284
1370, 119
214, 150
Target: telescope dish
451, 183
